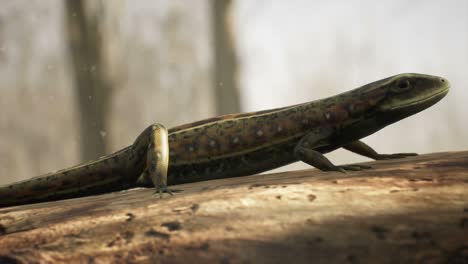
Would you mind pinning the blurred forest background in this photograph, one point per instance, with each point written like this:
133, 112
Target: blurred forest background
79, 79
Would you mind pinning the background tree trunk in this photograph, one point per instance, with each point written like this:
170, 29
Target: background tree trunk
93, 88
225, 66
412, 210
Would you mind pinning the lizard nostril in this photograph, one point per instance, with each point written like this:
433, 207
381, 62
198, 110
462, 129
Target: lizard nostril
442, 79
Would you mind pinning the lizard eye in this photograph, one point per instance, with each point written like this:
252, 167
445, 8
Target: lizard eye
402, 85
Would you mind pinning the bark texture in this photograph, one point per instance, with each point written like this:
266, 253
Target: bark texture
412, 210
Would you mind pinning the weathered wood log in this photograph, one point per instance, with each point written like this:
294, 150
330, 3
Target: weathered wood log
412, 210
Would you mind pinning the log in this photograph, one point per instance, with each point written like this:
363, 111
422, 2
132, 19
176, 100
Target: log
412, 210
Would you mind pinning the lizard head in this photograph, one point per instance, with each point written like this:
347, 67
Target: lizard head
409, 93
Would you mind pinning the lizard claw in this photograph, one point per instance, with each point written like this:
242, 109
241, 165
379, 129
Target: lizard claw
163, 189
342, 170
395, 156
354, 167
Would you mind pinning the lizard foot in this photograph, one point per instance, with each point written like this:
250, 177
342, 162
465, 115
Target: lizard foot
354, 167
395, 156
163, 189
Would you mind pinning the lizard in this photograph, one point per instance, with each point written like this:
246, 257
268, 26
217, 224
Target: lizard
243, 144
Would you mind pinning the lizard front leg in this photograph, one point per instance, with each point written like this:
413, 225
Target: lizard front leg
363, 149
306, 151
155, 143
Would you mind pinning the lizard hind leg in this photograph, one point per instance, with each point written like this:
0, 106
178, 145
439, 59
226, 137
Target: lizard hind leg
157, 157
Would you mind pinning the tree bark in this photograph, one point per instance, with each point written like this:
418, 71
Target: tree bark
93, 88
412, 210
225, 66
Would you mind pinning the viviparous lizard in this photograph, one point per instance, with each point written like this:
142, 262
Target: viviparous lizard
243, 144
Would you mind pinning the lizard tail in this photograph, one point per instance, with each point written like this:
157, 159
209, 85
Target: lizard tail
86, 179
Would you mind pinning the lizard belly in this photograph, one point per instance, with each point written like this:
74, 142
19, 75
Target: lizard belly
249, 163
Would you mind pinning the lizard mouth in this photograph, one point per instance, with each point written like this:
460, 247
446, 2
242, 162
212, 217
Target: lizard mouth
423, 103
